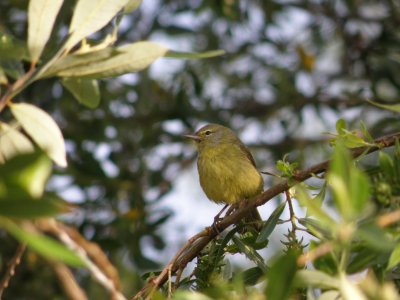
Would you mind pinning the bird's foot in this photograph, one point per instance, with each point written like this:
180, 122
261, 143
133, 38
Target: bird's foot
242, 203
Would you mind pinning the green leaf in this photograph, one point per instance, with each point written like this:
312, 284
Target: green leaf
3, 77
386, 164
392, 107
359, 190
270, 223
349, 185
25, 174
42, 244
42, 129
281, 277
188, 295
41, 17
314, 208
250, 253
252, 276
349, 290
286, 168
132, 6
12, 142
129, 58
394, 259
86, 91
366, 133
350, 139
30, 208
90, 16
375, 237
362, 259
316, 227
340, 126
71, 61
12, 49
316, 279
330, 295
194, 55
12, 68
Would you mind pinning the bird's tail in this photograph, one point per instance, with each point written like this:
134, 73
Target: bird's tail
254, 220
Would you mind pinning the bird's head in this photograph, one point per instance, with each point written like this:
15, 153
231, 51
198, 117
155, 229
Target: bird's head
212, 135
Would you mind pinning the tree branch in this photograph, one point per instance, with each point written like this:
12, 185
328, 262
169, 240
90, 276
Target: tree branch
193, 247
11, 268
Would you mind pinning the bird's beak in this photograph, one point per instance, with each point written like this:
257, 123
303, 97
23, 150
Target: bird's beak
193, 137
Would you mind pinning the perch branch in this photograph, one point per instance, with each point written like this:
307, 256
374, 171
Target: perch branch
193, 247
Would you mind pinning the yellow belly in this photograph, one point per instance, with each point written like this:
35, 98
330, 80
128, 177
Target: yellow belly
228, 179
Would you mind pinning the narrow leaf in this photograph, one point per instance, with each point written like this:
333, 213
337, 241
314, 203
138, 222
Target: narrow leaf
314, 208
316, 279
339, 179
250, 253
359, 188
29, 208
12, 142
74, 60
27, 175
194, 55
349, 290
386, 164
316, 227
12, 48
42, 244
394, 259
340, 126
281, 277
42, 129
185, 295
41, 17
375, 237
12, 67
392, 107
129, 58
86, 91
366, 133
3, 77
330, 295
252, 276
361, 260
90, 16
270, 223
131, 6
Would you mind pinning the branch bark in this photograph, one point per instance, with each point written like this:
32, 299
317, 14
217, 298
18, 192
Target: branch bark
193, 247
11, 268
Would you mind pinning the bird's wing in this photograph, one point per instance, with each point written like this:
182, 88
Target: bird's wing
248, 154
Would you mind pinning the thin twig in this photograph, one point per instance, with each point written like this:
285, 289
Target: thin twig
315, 253
169, 284
178, 278
67, 281
14, 262
389, 218
16, 86
291, 211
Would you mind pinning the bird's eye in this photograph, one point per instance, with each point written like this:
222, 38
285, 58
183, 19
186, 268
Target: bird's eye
208, 132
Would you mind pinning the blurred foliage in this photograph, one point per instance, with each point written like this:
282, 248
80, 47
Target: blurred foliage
291, 70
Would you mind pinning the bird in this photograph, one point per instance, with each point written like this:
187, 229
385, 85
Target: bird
227, 170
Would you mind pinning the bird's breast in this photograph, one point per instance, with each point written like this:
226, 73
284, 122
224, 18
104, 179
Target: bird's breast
228, 177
